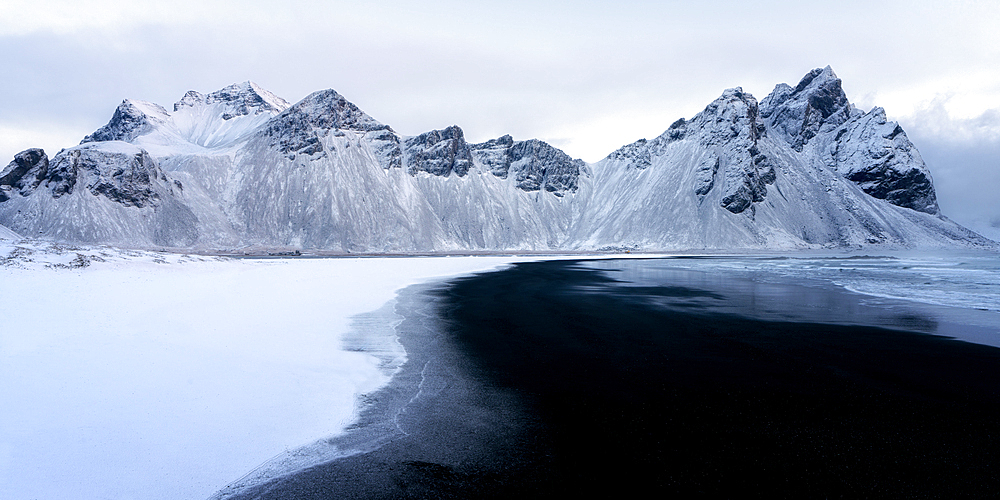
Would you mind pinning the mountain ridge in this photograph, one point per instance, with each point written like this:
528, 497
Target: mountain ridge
240, 168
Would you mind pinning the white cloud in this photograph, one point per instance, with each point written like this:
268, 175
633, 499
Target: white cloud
963, 154
937, 120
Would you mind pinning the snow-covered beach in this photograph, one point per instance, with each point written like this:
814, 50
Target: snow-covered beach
156, 375
131, 374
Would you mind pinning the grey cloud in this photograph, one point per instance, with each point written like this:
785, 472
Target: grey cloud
966, 176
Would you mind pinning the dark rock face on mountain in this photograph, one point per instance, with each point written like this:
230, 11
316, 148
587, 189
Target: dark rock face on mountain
300, 129
705, 174
729, 128
14, 175
537, 165
240, 99
534, 164
191, 99
864, 147
817, 104
730, 124
495, 155
122, 176
131, 119
244, 99
439, 152
877, 156
100, 192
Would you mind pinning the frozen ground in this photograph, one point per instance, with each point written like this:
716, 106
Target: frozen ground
156, 376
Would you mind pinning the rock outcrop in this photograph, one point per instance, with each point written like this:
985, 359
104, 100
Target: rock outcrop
534, 165
439, 152
98, 192
816, 105
132, 119
300, 129
728, 129
864, 147
876, 155
14, 176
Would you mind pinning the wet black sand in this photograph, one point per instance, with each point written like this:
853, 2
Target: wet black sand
552, 378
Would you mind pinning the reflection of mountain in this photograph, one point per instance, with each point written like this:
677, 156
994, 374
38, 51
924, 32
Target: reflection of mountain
241, 168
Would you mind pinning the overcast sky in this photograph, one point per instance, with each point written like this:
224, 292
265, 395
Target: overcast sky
586, 76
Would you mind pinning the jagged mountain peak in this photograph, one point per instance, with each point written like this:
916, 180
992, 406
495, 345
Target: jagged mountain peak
191, 99
439, 152
219, 119
107, 191
876, 154
14, 175
246, 98
818, 103
131, 119
301, 128
327, 109
865, 149
226, 116
817, 77
823, 91
535, 165
733, 100
733, 114
117, 170
243, 99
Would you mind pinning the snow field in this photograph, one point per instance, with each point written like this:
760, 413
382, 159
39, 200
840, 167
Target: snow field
137, 379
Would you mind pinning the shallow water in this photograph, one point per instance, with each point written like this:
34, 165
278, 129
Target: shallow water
955, 296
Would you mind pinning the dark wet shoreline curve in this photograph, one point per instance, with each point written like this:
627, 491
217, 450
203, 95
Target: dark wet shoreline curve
434, 431
576, 379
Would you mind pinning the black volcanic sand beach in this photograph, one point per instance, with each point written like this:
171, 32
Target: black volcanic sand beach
554, 378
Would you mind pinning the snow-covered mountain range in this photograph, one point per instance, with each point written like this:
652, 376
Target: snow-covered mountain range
241, 169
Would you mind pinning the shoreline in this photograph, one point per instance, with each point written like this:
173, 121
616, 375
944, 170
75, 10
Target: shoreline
433, 411
788, 405
191, 371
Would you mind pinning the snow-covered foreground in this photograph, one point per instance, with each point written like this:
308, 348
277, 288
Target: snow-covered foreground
128, 374
163, 376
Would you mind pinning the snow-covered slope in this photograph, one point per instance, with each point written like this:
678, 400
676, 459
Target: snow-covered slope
801, 170
199, 123
239, 168
7, 234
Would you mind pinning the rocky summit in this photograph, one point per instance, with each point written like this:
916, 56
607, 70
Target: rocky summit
241, 169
